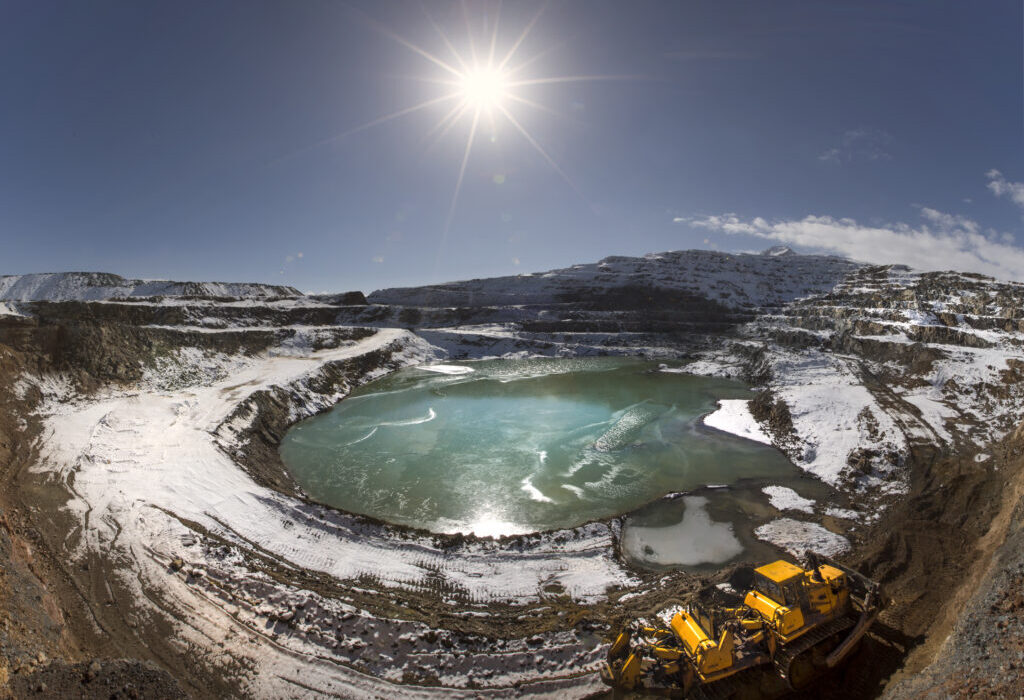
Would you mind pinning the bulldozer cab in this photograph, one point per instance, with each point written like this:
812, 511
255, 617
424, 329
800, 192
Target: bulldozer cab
782, 582
707, 617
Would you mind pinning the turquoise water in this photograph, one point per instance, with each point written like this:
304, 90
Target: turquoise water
514, 446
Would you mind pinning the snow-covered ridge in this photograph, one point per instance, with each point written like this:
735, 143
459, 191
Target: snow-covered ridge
888, 359
740, 281
95, 286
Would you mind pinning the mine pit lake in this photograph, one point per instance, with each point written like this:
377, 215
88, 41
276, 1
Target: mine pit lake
502, 447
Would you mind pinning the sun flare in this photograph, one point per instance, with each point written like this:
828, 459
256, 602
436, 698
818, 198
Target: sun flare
484, 87
480, 89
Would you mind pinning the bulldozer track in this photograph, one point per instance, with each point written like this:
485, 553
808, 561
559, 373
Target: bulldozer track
707, 693
726, 688
719, 690
785, 657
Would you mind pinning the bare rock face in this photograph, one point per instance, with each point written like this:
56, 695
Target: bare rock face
343, 299
766, 408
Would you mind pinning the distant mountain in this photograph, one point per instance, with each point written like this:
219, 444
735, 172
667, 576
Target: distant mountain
741, 281
94, 286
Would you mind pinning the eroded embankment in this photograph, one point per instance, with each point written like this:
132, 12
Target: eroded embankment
57, 633
973, 645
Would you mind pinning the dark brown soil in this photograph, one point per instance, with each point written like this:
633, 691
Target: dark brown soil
55, 616
118, 679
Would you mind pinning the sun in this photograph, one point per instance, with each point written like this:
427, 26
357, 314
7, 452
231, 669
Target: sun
484, 88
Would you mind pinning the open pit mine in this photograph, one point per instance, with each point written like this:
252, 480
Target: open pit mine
470, 489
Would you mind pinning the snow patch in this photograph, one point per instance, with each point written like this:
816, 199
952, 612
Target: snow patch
783, 498
734, 416
447, 369
833, 413
7, 309
844, 513
796, 537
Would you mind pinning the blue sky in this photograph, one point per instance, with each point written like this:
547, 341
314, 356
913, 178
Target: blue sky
222, 140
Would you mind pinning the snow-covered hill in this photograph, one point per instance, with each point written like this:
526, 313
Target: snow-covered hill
95, 286
742, 281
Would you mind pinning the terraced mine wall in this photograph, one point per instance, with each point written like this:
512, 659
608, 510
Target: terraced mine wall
938, 354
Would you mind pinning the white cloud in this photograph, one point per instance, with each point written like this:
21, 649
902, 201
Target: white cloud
943, 242
377, 259
948, 222
1001, 187
863, 144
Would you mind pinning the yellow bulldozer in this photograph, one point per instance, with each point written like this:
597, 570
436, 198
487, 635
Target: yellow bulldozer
794, 623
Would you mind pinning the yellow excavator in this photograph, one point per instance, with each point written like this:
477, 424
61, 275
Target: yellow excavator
800, 621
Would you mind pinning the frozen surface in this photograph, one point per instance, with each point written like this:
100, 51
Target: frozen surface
933, 411
695, 540
539, 444
844, 513
733, 416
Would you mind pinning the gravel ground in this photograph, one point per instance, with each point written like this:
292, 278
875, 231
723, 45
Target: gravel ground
117, 680
983, 657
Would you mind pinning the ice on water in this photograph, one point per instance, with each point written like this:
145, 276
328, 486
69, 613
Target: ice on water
693, 541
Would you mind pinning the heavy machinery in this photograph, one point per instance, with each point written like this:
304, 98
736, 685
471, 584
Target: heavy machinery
793, 623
